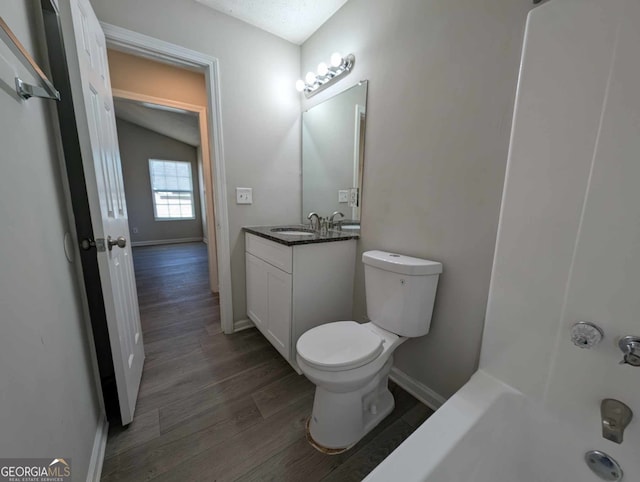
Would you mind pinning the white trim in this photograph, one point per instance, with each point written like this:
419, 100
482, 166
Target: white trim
422, 392
97, 454
150, 99
149, 47
154, 242
242, 325
205, 154
360, 111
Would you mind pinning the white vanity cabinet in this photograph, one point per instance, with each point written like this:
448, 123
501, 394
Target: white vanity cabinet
291, 289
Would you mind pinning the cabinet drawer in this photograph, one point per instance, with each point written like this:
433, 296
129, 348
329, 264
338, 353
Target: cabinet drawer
275, 254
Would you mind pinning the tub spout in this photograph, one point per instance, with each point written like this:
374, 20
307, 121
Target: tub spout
615, 418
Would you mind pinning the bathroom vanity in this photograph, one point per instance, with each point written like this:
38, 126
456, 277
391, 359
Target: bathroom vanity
297, 282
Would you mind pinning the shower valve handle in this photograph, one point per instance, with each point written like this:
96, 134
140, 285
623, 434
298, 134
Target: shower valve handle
630, 346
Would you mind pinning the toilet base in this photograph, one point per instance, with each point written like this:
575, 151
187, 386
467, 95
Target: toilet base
321, 448
339, 420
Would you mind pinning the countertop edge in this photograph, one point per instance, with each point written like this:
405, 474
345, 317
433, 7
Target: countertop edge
287, 240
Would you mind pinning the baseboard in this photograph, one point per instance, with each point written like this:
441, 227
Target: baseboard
423, 393
97, 454
155, 242
242, 325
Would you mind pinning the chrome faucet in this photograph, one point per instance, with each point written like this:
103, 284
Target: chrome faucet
315, 226
332, 223
615, 418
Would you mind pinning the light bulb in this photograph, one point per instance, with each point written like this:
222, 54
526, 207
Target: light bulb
322, 69
336, 59
310, 78
300, 85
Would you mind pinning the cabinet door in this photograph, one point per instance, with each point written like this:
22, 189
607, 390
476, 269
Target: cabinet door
279, 308
257, 290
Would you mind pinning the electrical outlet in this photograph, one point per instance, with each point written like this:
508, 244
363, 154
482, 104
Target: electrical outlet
343, 196
244, 195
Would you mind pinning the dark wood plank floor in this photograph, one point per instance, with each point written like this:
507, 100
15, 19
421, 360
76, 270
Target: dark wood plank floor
218, 407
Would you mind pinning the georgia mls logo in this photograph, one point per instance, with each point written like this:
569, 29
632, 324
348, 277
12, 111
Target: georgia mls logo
35, 470
60, 468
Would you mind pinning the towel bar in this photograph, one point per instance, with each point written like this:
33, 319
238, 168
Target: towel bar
25, 90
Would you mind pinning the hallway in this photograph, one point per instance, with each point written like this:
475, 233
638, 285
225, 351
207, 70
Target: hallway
218, 407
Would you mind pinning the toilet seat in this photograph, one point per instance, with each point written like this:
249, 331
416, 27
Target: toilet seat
338, 346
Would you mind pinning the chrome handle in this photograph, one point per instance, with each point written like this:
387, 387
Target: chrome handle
615, 417
630, 346
120, 242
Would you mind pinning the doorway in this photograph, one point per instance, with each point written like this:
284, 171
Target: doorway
165, 158
147, 48
161, 114
88, 128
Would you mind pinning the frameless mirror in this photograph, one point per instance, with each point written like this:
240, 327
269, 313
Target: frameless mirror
333, 155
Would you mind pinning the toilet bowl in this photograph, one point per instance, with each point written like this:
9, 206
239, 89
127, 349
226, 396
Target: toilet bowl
350, 362
351, 384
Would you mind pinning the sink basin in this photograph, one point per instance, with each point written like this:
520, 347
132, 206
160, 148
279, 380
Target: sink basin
293, 231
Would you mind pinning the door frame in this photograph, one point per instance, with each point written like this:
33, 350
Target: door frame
201, 113
145, 46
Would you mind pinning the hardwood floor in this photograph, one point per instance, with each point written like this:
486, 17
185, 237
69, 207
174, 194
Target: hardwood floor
224, 407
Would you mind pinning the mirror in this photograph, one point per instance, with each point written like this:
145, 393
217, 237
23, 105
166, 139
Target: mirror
333, 155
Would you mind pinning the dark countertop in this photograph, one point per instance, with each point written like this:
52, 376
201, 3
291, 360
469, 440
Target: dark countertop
293, 240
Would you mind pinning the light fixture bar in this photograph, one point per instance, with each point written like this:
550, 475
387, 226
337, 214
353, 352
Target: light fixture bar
327, 75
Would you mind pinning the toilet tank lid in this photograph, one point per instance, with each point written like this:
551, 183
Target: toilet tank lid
399, 263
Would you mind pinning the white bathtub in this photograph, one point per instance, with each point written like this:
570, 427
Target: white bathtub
488, 432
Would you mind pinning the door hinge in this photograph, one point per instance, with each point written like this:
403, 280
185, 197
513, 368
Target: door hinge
354, 197
99, 244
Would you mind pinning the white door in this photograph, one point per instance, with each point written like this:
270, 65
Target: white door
86, 52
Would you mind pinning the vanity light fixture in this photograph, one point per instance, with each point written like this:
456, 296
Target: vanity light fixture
326, 74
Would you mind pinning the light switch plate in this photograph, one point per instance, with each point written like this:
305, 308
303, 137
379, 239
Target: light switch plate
244, 195
343, 196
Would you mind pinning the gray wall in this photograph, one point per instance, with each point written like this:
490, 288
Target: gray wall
442, 86
260, 120
48, 399
137, 146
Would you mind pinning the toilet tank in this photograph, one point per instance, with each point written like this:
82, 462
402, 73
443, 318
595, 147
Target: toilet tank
400, 291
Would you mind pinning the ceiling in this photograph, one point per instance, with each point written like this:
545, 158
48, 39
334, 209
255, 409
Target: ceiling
293, 20
182, 127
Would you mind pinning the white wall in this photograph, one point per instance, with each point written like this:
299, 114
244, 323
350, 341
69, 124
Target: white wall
569, 241
49, 405
442, 78
260, 108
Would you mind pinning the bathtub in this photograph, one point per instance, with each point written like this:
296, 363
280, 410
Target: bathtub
489, 432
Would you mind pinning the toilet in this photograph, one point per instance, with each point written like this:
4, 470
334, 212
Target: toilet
350, 362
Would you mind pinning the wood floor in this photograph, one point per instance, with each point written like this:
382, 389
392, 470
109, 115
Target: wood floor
224, 407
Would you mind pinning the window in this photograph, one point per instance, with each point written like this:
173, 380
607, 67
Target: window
172, 189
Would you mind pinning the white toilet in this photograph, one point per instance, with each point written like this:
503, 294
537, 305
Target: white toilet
350, 362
